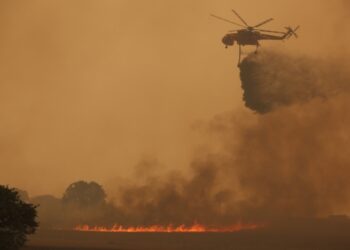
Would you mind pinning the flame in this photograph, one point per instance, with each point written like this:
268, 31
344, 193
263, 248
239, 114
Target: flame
195, 228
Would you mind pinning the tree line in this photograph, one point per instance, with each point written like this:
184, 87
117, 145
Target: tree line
81, 203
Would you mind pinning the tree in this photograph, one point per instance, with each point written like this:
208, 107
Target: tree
84, 203
17, 219
84, 194
23, 195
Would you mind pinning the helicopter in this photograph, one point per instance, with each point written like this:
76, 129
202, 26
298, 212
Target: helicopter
251, 35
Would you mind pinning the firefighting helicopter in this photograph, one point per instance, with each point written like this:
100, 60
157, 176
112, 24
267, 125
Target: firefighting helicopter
251, 35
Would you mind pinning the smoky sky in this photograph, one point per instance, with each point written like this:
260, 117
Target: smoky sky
88, 88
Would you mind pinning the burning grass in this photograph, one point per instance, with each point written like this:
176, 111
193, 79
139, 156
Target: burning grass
195, 228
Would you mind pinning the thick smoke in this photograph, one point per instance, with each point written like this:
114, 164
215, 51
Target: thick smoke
292, 162
295, 160
176, 199
272, 79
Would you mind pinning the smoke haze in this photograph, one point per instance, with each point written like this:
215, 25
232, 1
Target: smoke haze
88, 88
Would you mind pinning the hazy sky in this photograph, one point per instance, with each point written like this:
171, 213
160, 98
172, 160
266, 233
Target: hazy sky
89, 88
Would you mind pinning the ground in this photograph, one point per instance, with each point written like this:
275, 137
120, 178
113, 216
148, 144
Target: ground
258, 240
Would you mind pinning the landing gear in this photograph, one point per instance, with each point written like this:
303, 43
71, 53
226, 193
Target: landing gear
257, 47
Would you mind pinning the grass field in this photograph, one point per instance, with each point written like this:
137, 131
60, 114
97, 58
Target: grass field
254, 240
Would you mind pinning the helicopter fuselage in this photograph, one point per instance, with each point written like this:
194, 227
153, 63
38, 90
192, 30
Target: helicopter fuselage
242, 37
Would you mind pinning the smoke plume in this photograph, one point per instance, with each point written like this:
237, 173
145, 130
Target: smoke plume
292, 162
177, 200
295, 160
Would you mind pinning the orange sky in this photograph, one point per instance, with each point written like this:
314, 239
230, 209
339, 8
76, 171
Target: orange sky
89, 88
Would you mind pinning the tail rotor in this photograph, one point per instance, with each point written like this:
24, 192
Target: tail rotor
292, 32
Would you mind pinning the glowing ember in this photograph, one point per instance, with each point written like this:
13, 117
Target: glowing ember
196, 228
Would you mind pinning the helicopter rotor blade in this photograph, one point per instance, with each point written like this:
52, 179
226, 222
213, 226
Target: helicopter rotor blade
240, 17
271, 31
226, 20
264, 22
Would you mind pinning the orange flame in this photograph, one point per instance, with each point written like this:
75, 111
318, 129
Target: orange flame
195, 228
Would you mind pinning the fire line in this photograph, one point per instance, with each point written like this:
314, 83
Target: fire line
195, 228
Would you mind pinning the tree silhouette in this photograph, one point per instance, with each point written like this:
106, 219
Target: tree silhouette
17, 219
84, 194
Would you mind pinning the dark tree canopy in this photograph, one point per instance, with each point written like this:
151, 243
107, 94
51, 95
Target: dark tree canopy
23, 195
17, 219
84, 194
